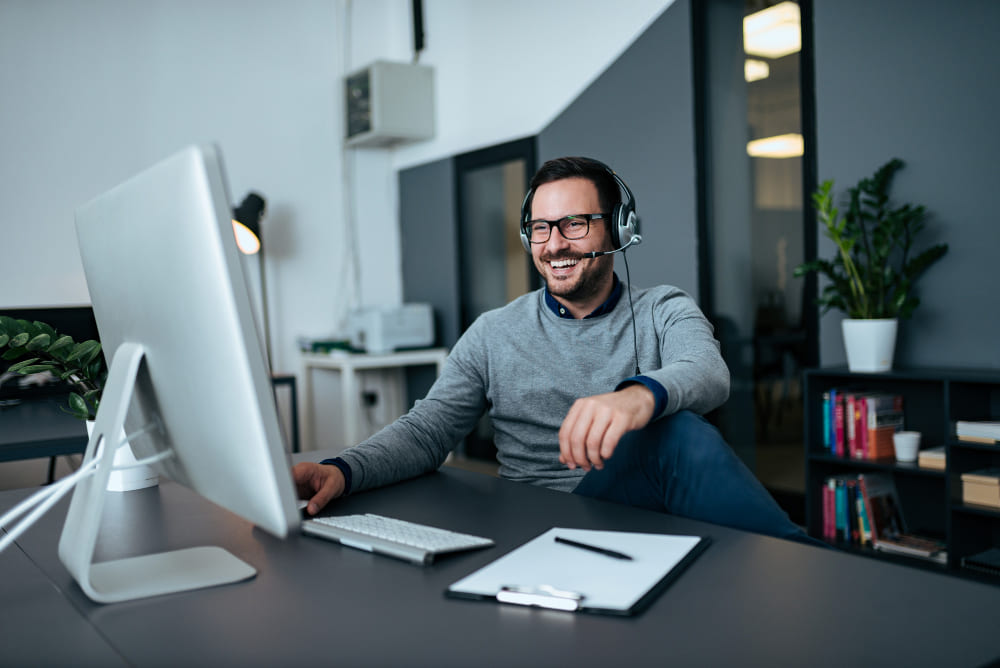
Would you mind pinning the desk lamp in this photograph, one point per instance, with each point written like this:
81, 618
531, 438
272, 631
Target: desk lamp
246, 227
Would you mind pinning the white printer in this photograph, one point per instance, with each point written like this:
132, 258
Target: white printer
384, 329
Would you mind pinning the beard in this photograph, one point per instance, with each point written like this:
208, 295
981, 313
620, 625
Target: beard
592, 277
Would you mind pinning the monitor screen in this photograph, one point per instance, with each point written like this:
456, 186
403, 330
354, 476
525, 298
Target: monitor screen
186, 364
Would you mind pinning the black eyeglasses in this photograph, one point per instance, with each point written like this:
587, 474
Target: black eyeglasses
572, 227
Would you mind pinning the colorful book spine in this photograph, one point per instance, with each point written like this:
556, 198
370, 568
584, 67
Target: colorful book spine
838, 425
827, 443
862, 426
830, 509
850, 424
885, 417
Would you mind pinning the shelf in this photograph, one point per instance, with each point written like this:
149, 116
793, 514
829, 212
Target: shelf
930, 499
973, 509
886, 464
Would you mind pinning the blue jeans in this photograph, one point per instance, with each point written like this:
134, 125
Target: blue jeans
681, 465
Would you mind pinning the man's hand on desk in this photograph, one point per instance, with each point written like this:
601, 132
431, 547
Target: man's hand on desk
317, 483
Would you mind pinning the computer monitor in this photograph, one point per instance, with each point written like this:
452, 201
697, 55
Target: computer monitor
175, 321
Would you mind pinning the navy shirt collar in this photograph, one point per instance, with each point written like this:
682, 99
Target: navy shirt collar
606, 307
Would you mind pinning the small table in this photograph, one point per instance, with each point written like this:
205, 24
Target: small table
349, 364
40, 428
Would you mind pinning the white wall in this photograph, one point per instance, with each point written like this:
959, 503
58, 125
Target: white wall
503, 70
95, 91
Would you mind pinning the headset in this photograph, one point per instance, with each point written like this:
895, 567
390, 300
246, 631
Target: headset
624, 222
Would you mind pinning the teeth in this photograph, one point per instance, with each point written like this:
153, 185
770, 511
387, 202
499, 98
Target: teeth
559, 264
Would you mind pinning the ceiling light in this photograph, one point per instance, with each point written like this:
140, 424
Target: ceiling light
780, 146
755, 70
773, 32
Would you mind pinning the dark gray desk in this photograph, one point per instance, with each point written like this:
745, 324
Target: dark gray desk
40, 428
748, 600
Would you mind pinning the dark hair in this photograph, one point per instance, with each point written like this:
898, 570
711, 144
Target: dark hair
608, 192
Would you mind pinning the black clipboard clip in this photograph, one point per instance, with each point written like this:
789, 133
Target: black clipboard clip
542, 596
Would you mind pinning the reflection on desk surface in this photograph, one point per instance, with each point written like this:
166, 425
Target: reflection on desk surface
41, 423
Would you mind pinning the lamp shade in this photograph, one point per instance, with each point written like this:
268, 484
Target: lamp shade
246, 223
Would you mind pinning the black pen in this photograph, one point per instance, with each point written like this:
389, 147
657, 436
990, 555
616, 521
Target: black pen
593, 548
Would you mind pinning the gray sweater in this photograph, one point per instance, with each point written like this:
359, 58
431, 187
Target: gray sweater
526, 366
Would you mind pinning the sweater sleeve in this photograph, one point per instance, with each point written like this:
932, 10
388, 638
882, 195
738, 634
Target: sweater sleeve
691, 369
419, 441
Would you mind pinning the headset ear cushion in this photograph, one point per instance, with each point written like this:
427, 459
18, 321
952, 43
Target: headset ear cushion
616, 225
524, 239
627, 229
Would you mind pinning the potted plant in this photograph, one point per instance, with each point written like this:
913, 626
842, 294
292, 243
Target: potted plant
871, 276
81, 365
39, 348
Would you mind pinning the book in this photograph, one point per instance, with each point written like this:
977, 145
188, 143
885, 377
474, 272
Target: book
852, 416
888, 528
829, 509
915, 546
987, 562
827, 440
933, 458
843, 510
884, 418
838, 424
982, 487
979, 439
978, 429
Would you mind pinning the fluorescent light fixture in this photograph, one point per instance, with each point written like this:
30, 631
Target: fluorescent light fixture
773, 32
779, 146
755, 70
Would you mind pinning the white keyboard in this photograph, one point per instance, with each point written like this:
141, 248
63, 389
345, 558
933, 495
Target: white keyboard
418, 543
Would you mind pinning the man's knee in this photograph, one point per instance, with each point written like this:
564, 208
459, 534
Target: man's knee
684, 438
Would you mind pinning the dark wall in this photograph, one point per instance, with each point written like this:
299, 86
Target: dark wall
430, 255
429, 243
638, 117
916, 79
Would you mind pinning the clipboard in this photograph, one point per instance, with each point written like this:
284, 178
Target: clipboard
551, 574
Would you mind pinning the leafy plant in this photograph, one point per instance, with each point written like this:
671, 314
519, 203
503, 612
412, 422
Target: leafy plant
40, 348
873, 272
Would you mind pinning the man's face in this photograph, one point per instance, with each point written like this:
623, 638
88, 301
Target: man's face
567, 273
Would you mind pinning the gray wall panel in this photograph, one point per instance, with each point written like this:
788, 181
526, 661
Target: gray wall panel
429, 243
915, 79
638, 117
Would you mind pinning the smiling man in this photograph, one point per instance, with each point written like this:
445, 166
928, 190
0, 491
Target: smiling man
588, 392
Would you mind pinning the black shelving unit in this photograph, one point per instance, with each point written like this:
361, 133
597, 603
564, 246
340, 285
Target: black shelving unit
931, 500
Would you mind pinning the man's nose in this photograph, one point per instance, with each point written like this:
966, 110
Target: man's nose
556, 240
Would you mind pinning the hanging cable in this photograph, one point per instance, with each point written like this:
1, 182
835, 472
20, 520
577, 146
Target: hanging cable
631, 308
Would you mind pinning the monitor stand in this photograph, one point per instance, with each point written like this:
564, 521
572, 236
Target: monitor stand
132, 577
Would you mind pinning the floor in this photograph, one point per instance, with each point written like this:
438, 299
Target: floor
33, 472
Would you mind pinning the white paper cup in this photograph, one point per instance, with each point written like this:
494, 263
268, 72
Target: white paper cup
907, 445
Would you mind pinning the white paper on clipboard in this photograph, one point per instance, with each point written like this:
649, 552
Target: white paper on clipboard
547, 573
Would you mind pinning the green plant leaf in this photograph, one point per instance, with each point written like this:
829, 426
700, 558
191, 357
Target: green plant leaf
36, 368
39, 342
4, 338
14, 353
60, 343
23, 363
20, 340
83, 350
78, 406
872, 273
45, 329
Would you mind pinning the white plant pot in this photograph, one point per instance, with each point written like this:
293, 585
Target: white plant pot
870, 344
127, 479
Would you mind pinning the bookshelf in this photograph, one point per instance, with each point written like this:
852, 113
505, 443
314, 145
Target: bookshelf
930, 499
